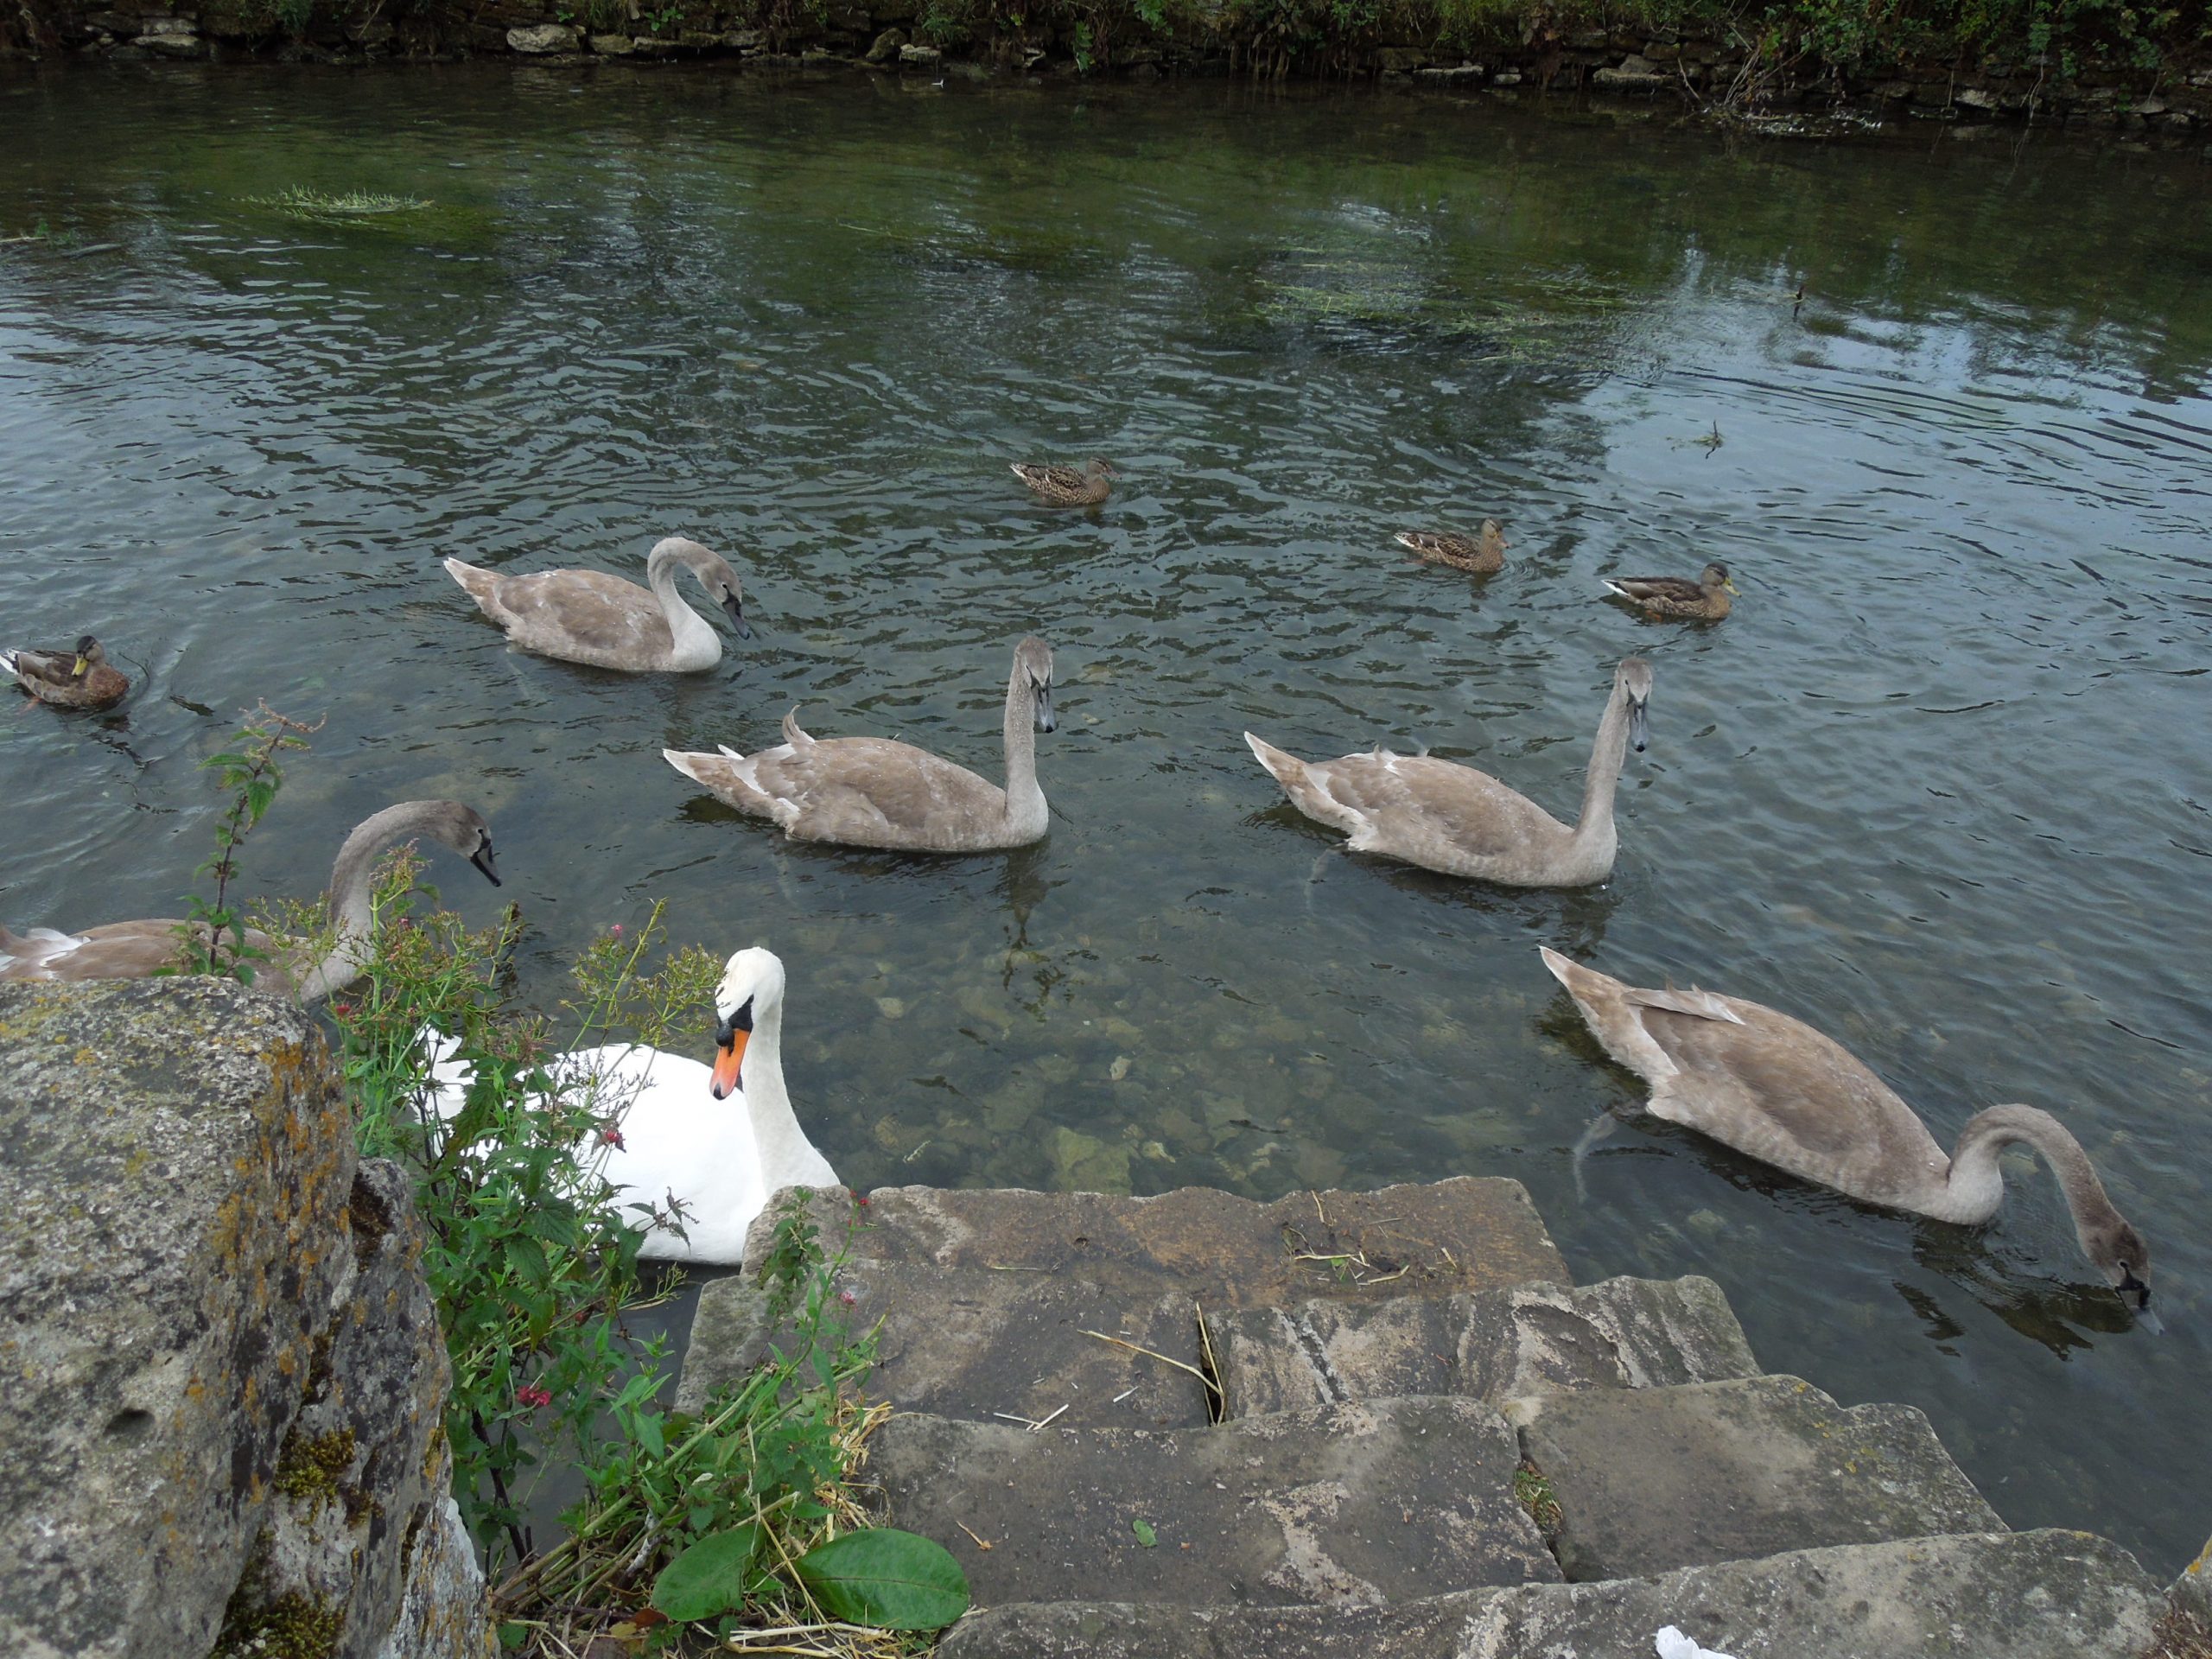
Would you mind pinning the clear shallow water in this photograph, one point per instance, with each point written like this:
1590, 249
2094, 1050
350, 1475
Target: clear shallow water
1940, 785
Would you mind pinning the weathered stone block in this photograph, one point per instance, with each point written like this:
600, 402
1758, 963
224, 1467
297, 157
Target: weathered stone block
1625, 79
921, 57
884, 48
541, 39
2192, 1590
2037, 1595
175, 1168
1649, 1480
1620, 1333
1350, 1503
1459, 74
969, 1342
1430, 1238
1402, 60
362, 1505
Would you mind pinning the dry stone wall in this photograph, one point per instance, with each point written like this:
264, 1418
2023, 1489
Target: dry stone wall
222, 1422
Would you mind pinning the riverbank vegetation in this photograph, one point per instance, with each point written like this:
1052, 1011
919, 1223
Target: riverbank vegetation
1789, 45
740, 1528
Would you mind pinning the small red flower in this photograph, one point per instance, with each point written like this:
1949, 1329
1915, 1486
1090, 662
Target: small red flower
611, 1136
343, 1010
531, 1395
847, 1297
616, 929
860, 1200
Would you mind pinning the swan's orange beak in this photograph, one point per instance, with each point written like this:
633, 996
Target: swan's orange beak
728, 1059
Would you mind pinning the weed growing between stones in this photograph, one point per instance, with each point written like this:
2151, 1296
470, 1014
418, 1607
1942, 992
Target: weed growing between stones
725, 1526
211, 938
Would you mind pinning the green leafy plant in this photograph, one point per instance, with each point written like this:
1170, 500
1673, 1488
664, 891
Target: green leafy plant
211, 939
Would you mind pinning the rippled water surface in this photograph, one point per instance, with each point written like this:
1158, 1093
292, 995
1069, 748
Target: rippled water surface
1940, 785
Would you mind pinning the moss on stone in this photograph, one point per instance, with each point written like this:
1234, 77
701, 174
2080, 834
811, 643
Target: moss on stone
311, 1465
293, 1626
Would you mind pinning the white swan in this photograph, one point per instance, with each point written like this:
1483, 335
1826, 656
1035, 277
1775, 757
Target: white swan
671, 1136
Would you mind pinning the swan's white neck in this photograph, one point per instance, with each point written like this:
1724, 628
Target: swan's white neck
787, 1156
1025, 800
693, 641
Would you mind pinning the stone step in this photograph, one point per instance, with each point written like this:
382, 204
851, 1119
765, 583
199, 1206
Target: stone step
972, 1343
1648, 1480
980, 1343
1619, 1333
1379, 1501
2030, 1595
1465, 1234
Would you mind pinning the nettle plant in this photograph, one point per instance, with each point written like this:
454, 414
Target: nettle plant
737, 1526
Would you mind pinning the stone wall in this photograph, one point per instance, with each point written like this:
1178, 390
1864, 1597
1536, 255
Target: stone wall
1678, 70
222, 1425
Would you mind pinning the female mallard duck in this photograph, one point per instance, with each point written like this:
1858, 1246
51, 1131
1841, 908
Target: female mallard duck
141, 949
872, 791
1063, 486
1775, 1089
68, 679
1462, 822
1481, 555
1704, 599
666, 1137
587, 616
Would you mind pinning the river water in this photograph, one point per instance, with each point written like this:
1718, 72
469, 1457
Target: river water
1940, 785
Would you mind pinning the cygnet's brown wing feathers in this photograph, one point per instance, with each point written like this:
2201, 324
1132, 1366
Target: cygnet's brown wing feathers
1774, 1087
589, 610
1413, 797
876, 791
117, 951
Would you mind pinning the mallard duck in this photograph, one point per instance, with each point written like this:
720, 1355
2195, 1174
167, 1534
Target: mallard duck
587, 616
1778, 1090
1453, 818
665, 1136
1063, 486
872, 791
1482, 555
139, 950
1704, 599
69, 679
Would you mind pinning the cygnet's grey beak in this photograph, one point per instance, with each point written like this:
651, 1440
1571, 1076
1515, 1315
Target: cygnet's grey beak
1638, 734
1044, 721
734, 608
481, 858
2149, 1321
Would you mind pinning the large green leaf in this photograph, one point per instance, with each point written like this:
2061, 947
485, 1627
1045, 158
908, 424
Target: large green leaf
892, 1579
708, 1577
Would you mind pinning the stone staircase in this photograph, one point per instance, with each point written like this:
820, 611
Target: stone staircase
1386, 1426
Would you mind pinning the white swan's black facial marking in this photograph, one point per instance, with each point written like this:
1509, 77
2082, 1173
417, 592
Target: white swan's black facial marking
732, 1032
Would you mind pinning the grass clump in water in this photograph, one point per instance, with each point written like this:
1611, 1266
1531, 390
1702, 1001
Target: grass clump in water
342, 208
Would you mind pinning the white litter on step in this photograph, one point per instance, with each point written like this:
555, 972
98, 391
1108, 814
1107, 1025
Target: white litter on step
1673, 1645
